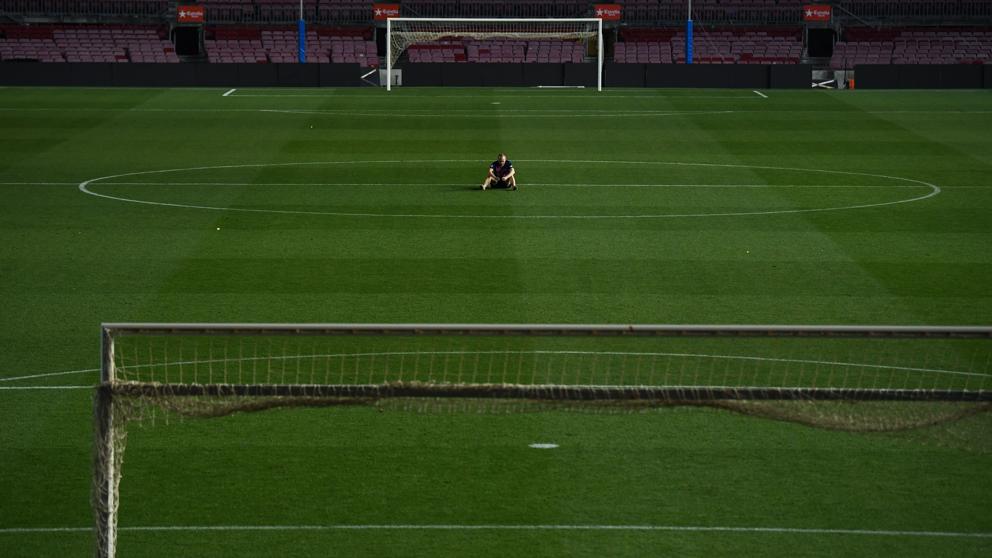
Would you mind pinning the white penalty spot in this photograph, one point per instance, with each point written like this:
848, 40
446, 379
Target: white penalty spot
542, 445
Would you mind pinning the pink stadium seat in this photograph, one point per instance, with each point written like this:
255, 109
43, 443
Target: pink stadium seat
913, 46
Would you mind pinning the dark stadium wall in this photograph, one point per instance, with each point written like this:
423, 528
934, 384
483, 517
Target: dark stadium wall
580, 74
181, 75
615, 75
708, 75
498, 75
776, 76
921, 76
623, 75
790, 76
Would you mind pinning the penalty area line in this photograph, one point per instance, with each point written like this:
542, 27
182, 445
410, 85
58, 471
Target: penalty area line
760, 94
496, 527
229, 92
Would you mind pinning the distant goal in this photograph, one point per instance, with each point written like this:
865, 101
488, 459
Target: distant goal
403, 32
863, 378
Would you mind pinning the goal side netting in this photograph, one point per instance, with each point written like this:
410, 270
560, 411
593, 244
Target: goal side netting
521, 36
851, 378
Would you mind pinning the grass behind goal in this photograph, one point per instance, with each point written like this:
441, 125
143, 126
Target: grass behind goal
69, 261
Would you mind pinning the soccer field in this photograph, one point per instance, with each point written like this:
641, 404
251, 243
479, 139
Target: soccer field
353, 205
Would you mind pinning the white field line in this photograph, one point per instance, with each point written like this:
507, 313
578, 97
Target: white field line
759, 93
229, 92
934, 190
391, 112
579, 185
508, 352
498, 527
42, 388
549, 93
477, 114
50, 374
38, 183
565, 184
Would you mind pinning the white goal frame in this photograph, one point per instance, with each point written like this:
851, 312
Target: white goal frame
107, 457
596, 20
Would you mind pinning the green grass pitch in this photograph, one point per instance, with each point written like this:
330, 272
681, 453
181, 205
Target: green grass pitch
635, 206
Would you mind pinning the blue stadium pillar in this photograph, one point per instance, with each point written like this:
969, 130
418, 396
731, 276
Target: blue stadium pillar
688, 41
303, 41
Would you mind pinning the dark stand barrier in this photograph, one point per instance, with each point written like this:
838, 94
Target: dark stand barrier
615, 75
298, 75
919, 76
790, 76
544, 74
257, 75
498, 75
707, 75
580, 75
92, 75
491, 75
341, 75
154, 75
623, 75
181, 75
427, 74
216, 75
754, 76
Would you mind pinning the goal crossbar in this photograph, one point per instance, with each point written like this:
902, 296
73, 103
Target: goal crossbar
587, 330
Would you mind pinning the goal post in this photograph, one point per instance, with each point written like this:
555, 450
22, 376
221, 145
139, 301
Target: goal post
403, 32
858, 378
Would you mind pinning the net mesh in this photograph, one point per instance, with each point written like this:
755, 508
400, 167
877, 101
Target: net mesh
407, 32
926, 386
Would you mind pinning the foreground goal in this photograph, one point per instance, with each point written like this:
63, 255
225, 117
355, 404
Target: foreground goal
402, 32
843, 377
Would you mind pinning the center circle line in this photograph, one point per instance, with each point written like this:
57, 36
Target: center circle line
934, 190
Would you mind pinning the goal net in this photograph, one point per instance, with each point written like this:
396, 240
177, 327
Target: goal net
521, 39
855, 378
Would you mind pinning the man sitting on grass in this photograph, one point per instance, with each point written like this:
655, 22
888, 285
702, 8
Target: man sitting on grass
501, 174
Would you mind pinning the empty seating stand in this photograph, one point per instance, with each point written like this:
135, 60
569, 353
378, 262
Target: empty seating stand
280, 45
717, 46
495, 51
130, 10
286, 11
913, 46
86, 43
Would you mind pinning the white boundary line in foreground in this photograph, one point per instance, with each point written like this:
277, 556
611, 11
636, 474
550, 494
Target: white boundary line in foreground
934, 190
759, 93
229, 92
549, 92
38, 183
392, 112
459, 113
496, 527
42, 388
